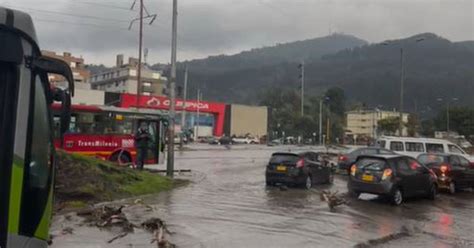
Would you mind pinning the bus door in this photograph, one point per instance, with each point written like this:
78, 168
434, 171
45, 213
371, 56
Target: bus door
155, 145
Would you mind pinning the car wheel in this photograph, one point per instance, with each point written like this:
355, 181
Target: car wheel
308, 183
452, 188
397, 197
433, 191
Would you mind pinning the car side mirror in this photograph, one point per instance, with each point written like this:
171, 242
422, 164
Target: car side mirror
56, 66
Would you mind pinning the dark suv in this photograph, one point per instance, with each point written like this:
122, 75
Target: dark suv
454, 172
303, 169
394, 176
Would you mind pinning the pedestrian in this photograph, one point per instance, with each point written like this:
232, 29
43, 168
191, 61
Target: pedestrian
141, 143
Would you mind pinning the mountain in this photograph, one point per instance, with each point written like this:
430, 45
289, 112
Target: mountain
308, 50
434, 68
467, 44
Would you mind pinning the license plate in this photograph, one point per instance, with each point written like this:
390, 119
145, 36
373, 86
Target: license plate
367, 178
281, 168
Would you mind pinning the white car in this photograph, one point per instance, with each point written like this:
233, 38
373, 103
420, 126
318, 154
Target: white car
246, 140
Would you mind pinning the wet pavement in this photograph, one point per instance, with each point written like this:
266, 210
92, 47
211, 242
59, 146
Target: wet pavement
227, 205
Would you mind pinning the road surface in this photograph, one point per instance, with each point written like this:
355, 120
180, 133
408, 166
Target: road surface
228, 205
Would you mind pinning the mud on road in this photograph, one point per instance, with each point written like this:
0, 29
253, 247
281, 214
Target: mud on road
228, 205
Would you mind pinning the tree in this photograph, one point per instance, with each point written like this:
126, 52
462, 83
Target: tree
336, 101
413, 125
461, 120
388, 125
427, 128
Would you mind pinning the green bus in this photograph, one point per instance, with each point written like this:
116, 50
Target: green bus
27, 155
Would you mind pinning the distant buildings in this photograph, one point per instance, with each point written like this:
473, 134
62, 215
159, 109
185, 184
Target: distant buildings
364, 123
123, 79
80, 73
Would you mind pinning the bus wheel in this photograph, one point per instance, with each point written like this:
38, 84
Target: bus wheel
122, 158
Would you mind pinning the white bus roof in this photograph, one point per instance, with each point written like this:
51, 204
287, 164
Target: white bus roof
414, 139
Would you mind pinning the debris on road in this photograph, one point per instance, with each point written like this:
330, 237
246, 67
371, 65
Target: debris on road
67, 230
158, 228
332, 199
113, 216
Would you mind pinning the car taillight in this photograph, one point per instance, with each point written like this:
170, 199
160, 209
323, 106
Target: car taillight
342, 158
387, 173
300, 163
353, 170
444, 168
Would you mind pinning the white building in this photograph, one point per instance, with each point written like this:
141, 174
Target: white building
365, 122
123, 79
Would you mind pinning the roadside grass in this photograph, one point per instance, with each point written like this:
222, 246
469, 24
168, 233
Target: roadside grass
83, 180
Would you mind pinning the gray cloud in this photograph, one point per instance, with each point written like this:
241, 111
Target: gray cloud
209, 27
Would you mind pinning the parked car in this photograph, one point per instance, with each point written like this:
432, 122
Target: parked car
298, 169
393, 176
225, 140
413, 147
245, 140
345, 161
454, 172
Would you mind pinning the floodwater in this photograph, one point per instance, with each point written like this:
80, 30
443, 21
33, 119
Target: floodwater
228, 205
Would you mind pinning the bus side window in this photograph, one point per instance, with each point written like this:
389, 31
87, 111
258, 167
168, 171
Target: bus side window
454, 149
38, 169
434, 148
396, 146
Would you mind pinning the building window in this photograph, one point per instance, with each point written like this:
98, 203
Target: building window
117, 84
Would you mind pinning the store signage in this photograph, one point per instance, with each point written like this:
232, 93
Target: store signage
155, 102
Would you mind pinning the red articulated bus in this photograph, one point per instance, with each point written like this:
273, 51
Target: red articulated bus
107, 132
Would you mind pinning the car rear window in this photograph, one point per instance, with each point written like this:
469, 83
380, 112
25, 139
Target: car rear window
373, 164
431, 159
283, 158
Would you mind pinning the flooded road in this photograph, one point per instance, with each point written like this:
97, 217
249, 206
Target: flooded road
228, 205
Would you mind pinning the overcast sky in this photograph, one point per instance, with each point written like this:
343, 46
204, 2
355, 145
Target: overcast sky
98, 29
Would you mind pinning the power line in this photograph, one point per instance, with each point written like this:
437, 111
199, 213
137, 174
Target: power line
103, 5
66, 14
80, 24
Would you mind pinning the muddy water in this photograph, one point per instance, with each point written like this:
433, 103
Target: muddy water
227, 205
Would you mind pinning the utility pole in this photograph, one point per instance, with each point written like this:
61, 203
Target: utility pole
197, 117
171, 123
402, 79
183, 111
140, 44
328, 131
321, 122
301, 66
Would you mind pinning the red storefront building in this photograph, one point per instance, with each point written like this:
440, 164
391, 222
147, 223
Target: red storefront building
215, 111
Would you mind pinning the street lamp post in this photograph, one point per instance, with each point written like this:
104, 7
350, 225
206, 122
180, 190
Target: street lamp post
402, 82
448, 101
321, 101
